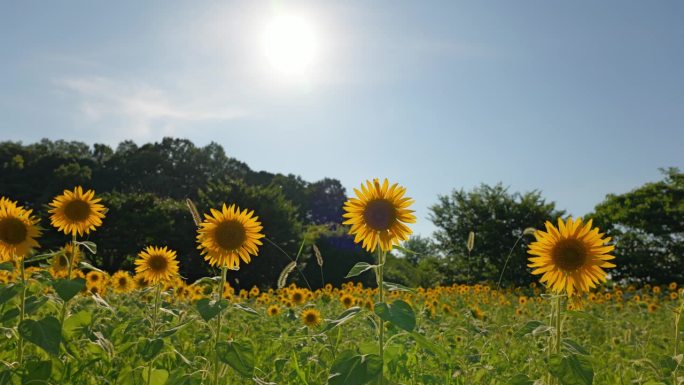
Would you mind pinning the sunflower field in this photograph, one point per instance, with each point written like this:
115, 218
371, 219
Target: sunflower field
65, 321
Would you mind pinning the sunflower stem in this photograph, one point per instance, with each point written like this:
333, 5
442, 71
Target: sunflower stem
74, 252
154, 326
381, 324
558, 324
63, 311
22, 305
218, 324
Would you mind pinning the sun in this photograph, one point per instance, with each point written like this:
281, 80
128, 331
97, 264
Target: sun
290, 45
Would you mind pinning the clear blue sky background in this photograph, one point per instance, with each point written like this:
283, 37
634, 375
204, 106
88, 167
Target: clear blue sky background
577, 98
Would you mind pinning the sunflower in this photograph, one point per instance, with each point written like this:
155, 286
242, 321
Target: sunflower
6, 202
273, 310
570, 257
377, 215
95, 278
122, 282
311, 317
140, 281
18, 231
228, 236
347, 301
60, 262
298, 297
228, 291
156, 264
77, 212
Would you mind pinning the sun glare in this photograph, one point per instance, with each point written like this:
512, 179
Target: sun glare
289, 44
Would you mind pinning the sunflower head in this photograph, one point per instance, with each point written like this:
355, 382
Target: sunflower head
122, 282
347, 301
77, 212
570, 257
311, 317
156, 264
227, 236
273, 310
378, 215
298, 297
18, 231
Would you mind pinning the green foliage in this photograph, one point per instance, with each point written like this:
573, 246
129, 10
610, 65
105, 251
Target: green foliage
647, 225
573, 369
354, 369
498, 218
68, 288
398, 313
239, 355
45, 333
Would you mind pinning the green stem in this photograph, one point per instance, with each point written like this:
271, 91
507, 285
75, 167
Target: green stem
70, 265
678, 316
154, 326
22, 305
381, 324
218, 325
558, 324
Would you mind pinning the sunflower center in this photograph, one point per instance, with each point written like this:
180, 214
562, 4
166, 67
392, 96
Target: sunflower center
310, 318
379, 214
13, 231
123, 282
569, 254
157, 263
77, 210
230, 235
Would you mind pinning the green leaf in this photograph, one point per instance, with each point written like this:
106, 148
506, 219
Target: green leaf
359, 268
158, 376
429, 346
343, 318
209, 309
150, 348
68, 288
354, 369
36, 372
405, 250
173, 330
396, 287
45, 333
76, 321
572, 370
520, 379
246, 309
398, 312
33, 303
529, 327
7, 266
9, 315
91, 246
87, 266
574, 348
8, 292
239, 355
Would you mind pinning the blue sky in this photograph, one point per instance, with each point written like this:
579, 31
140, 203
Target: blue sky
578, 99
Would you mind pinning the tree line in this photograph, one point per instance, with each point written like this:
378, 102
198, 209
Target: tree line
145, 189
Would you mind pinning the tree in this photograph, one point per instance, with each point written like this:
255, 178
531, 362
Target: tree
647, 225
498, 219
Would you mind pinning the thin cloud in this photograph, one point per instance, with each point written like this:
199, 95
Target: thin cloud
140, 108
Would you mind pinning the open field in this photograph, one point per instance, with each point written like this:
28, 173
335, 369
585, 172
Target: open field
446, 335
